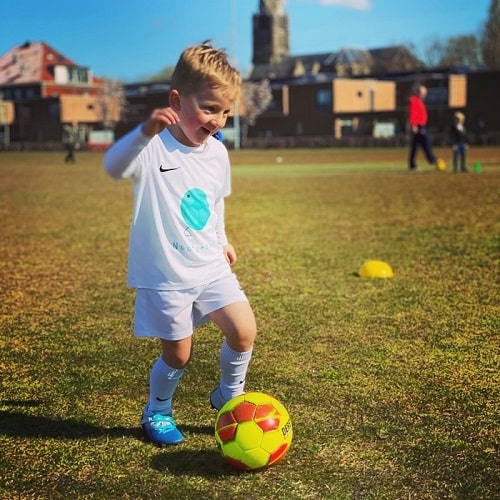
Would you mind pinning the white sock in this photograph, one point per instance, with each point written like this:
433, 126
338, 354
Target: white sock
234, 366
163, 381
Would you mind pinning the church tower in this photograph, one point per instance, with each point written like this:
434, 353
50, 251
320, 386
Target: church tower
270, 33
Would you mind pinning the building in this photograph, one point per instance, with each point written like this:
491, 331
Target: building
47, 90
351, 96
271, 58
270, 33
322, 111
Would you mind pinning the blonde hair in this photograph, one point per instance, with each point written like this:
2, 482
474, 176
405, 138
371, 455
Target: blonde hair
202, 65
460, 117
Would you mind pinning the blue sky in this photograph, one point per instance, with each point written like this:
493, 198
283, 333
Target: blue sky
132, 39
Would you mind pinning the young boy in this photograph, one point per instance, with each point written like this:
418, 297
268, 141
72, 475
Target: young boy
179, 257
459, 142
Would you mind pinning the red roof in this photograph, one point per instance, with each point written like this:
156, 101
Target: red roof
32, 62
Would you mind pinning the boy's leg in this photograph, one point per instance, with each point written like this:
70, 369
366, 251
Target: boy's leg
157, 421
237, 323
455, 158
463, 164
166, 374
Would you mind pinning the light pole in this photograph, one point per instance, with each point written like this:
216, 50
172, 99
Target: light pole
236, 118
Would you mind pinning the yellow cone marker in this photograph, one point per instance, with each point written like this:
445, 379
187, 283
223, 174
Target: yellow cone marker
375, 269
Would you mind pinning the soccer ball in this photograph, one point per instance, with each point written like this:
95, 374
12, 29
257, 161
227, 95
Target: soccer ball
440, 164
253, 431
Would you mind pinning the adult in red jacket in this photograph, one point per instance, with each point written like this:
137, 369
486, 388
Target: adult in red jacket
417, 115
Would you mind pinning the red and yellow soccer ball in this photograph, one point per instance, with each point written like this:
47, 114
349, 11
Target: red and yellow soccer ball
253, 431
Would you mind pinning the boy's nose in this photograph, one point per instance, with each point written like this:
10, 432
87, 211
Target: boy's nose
219, 120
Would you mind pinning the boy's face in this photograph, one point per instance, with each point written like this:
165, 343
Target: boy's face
201, 114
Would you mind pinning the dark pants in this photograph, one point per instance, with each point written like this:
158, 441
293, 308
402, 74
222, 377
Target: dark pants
422, 139
459, 154
70, 153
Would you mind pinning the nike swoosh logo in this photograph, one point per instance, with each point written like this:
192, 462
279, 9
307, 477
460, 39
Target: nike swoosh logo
168, 169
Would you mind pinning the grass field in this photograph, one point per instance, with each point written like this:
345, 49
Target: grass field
392, 385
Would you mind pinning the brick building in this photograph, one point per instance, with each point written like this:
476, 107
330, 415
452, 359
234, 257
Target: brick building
48, 89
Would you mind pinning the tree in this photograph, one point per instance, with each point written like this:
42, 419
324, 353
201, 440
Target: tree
111, 103
256, 97
164, 75
433, 52
490, 43
461, 51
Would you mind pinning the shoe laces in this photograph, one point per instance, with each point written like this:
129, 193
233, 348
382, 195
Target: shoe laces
160, 423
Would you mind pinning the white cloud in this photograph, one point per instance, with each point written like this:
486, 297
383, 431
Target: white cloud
350, 4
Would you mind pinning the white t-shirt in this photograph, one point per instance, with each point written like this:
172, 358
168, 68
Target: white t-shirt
177, 230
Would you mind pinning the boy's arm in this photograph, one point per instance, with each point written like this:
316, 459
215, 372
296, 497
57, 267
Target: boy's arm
220, 229
122, 153
227, 248
120, 156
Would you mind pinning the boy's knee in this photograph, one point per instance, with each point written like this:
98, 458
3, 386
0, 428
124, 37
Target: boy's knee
243, 338
175, 361
176, 354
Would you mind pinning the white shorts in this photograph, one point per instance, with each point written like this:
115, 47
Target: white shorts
174, 314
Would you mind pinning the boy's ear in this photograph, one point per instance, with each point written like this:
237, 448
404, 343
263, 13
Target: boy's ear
174, 99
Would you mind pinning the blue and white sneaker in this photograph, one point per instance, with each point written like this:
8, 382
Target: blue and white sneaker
160, 429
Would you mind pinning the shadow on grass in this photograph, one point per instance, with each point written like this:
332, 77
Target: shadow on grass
15, 423
206, 463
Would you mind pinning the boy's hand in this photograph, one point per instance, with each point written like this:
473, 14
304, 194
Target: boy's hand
229, 253
159, 119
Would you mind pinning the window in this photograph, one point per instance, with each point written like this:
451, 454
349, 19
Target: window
67, 74
437, 95
324, 100
78, 75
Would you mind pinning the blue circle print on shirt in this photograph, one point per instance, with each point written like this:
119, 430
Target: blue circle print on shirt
194, 208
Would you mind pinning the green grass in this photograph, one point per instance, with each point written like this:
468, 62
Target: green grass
392, 385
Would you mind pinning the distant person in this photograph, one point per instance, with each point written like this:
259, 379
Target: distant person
459, 142
179, 256
70, 141
417, 116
